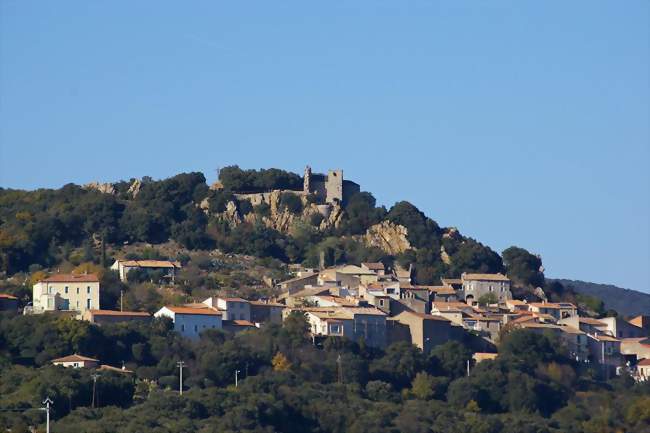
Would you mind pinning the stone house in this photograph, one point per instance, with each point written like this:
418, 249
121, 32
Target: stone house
191, 321
266, 312
423, 330
356, 324
104, 317
559, 310
169, 268
66, 292
477, 285
299, 282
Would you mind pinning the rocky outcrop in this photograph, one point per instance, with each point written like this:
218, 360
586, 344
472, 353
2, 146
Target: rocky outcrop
105, 188
134, 189
444, 256
390, 237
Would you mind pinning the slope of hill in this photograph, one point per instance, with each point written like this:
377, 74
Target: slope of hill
627, 302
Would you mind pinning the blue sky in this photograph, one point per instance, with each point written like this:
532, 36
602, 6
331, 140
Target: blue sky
521, 123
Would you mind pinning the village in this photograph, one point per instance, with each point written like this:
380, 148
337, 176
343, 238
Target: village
369, 304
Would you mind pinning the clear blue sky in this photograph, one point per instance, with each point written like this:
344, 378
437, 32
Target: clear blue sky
521, 123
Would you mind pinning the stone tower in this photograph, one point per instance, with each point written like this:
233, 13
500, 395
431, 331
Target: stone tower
334, 186
306, 183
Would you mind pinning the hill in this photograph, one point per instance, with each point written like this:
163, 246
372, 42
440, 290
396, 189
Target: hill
625, 301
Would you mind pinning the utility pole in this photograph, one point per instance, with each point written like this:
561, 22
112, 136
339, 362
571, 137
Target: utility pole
340, 369
121, 299
47, 402
180, 364
94, 376
236, 378
468, 368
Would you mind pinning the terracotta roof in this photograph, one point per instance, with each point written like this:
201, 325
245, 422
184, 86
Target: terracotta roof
450, 281
243, 323
74, 358
105, 367
6, 296
440, 290
375, 266
571, 330
444, 306
118, 313
233, 299
71, 278
515, 302
485, 277
150, 263
207, 311
337, 299
644, 362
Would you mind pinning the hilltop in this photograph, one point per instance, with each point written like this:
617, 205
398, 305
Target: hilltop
314, 219
625, 301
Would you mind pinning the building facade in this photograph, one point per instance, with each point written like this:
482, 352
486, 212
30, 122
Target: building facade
477, 285
66, 292
190, 321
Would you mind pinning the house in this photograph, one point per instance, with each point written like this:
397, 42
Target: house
587, 325
423, 330
191, 321
8, 302
619, 328
266, 312
441, 293
634, 349
66, 292
168, 268
357, 324
454, 283
231, 308
605, 350
560, 310
299, 282
377, 267
576, 343
515, 305
104, 317
111, 369
477, 285
76, 361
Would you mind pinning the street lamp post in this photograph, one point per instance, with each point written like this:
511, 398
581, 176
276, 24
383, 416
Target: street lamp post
94, 376
47, 402
180, 364
237, 377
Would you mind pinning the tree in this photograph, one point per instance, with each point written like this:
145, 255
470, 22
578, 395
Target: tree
487, 299
423, 386
523, 268
280, 362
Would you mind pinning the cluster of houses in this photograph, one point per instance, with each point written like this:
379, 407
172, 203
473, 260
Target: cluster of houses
377, 306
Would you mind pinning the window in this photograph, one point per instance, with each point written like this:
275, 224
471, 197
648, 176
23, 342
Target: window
381, 302
49, 289
77, 290
66, 289
77, 304
88, 289
88, 303
183, 328
196, 328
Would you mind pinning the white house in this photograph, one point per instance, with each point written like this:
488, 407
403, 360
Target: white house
477, 285
76, 361
66, 292
231, 308
191, 321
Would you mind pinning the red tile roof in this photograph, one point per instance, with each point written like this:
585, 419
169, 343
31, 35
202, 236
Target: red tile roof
6, 296
207, 311
74, 358
644, 362
71, 278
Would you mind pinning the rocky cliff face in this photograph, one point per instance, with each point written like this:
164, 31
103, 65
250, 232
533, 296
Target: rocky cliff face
390, 237
105, 188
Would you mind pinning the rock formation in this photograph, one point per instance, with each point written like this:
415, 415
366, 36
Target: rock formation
390, 237
105, 188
